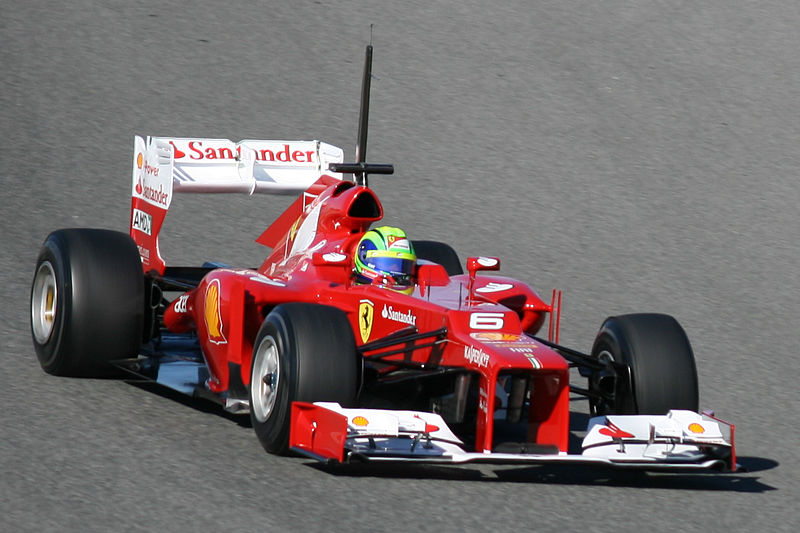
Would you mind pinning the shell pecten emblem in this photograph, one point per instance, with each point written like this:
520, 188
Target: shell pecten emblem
694, 427
213, 316
366, 311
293, 230
360, 421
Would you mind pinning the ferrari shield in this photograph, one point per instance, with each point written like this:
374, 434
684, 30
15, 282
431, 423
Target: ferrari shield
366, 311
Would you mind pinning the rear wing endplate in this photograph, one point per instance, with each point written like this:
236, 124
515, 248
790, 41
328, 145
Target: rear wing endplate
163, 166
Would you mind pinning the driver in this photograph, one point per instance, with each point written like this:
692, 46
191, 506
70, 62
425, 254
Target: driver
385, 256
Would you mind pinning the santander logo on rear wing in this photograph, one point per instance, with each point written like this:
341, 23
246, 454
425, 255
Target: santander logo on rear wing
163, 166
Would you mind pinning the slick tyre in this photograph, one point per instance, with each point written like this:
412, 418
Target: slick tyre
661, 362
440, 253
87, 302
303, 352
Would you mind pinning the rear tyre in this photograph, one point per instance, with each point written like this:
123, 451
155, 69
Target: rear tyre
661, 362
303, 352
87, 302
440, 253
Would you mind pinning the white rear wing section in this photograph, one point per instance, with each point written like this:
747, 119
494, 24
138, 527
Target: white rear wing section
163, 166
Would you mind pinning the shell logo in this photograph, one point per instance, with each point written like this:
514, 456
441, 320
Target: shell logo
139, 160
360, 421
696, 428
494, 336
293, 229
213, 316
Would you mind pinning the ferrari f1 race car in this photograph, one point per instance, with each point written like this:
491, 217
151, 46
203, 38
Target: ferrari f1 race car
351, 342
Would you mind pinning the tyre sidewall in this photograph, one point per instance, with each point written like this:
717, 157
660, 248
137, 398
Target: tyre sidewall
99, 302
274, 430
49, 351
611, 340
318, 362
658, 353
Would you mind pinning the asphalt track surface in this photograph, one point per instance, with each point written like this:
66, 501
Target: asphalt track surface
642, 156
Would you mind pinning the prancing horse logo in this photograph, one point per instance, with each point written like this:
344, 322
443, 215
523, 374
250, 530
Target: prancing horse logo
365, 313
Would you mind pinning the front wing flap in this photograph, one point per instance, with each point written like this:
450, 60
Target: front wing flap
679, 440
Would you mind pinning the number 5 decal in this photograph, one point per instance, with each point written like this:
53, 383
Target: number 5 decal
486, 320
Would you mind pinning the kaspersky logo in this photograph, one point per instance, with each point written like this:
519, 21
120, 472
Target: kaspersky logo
476, 356
366, 312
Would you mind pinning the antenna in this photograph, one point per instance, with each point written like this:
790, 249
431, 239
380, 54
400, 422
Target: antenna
363, 115
361, 169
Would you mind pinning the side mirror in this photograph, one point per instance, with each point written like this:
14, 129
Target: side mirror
476, 264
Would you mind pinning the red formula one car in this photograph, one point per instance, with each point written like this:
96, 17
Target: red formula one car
352, 343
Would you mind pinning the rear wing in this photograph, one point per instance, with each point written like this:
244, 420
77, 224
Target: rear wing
163, 166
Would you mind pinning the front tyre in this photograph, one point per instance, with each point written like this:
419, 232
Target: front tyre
87, 302
303, 352
663, 374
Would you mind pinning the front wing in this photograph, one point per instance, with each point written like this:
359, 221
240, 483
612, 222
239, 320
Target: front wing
679, 440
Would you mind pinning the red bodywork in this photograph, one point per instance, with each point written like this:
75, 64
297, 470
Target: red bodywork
486, 317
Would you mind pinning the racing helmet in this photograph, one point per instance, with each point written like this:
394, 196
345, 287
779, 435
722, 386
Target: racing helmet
385, 253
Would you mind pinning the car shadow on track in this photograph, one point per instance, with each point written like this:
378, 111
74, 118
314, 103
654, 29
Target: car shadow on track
201, 404
742, 481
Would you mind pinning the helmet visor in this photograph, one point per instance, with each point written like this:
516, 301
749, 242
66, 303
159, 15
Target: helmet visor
399, 266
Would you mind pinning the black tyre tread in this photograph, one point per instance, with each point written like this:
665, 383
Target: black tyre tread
662, 363
441, 253
100, 303
318, 360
